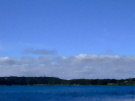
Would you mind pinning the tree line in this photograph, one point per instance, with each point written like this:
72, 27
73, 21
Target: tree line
58, 81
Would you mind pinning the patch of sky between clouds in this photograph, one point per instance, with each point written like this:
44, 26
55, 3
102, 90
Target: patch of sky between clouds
1, 47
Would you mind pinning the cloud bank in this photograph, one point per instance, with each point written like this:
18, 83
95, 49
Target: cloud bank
74, 67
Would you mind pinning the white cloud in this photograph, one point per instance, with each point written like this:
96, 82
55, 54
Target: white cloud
80, 66
39, 51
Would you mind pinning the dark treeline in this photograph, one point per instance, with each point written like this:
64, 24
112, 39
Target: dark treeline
57, 81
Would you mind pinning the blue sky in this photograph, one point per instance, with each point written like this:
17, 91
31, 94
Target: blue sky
69, 26
67, 38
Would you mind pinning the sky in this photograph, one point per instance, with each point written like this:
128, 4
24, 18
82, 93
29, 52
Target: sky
67, 38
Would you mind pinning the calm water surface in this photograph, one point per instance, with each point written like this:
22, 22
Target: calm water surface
67, 93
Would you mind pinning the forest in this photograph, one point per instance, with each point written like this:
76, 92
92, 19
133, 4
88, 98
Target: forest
57, 81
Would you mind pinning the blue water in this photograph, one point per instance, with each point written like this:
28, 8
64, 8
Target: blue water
67, 93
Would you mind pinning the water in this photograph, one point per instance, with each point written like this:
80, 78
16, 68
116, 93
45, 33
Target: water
67, 93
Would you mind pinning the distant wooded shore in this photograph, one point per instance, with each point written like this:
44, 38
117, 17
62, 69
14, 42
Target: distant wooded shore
57, 81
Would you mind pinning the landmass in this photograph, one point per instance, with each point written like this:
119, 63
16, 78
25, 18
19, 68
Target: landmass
57, 81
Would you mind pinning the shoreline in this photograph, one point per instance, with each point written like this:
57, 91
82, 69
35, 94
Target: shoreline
57, 81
